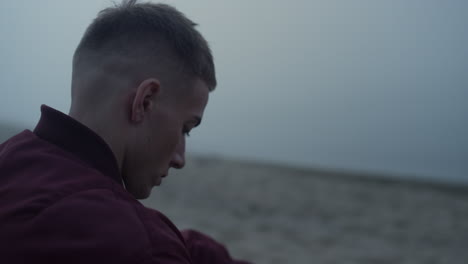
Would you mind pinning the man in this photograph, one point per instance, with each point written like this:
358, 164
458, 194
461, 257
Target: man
141, 78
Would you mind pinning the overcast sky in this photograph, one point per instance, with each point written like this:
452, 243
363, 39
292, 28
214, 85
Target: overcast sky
377, 86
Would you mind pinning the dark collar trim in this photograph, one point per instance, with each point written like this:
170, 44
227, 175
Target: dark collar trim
69, 134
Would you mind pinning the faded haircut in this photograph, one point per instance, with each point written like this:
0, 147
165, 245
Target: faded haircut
151, 34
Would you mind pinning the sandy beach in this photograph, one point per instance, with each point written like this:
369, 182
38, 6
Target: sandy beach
273, 214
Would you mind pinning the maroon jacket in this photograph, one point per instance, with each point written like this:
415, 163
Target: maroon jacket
62, 201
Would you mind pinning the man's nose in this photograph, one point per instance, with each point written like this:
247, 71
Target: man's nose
178, 159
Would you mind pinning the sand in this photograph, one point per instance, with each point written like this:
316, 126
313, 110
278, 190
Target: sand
273, 214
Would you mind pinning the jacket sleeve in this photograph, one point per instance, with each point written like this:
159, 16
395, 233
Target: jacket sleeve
204, 249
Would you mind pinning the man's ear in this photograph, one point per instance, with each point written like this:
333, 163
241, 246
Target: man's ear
144, 99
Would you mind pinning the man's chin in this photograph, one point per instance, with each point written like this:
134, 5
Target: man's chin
141, 196
157, 181
140, 193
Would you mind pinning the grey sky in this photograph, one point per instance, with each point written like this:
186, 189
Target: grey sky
362, 85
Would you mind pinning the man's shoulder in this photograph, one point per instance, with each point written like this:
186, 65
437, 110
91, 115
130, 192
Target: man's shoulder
36, 174
112, 220
92, 225
97, 212
28, 148
21, 141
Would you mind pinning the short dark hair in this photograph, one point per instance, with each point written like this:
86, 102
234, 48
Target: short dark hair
162, 29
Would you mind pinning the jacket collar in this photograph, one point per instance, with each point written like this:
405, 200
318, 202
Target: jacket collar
72, 136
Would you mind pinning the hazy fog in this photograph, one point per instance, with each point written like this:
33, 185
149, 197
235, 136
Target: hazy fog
377, 86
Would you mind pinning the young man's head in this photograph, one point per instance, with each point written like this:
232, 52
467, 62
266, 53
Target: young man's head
141, 78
